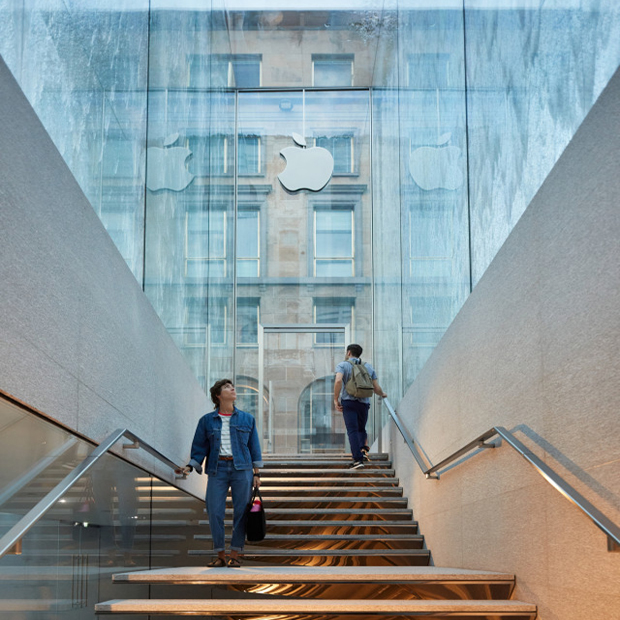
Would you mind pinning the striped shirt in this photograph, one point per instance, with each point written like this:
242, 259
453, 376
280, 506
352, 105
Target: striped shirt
225, 446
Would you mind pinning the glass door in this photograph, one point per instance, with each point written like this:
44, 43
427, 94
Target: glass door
296, 367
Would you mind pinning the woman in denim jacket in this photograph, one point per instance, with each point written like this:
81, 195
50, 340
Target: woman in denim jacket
228, 440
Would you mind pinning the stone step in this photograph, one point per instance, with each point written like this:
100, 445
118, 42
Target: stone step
369, 492
413, 538
320, 465
361, 514
381, 456
203, 575
361, 472
346, 503
331, 557
336, 526
255, 607
331, 541
294, 481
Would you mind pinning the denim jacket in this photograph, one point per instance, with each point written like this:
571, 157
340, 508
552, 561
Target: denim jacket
243, 439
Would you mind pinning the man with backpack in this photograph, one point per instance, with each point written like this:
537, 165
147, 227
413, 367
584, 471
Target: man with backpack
356, 382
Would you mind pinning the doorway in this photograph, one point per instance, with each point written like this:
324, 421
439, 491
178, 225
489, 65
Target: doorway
296, 369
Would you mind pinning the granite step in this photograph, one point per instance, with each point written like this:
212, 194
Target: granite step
327, 464
305, 606
330, 557
330, 481
411, 581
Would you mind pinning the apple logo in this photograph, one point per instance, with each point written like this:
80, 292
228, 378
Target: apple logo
306, 168
437, 167
166, 167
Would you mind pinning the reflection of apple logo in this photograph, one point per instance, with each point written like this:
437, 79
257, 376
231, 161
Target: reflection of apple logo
306, 168
437, 167
166, 167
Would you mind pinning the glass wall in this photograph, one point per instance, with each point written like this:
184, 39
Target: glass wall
83, 67
442, 123
116, 517
532, 75
434, 222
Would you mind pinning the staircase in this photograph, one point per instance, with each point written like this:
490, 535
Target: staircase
339, 543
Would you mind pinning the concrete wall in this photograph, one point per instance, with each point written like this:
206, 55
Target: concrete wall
535, 349
79, 341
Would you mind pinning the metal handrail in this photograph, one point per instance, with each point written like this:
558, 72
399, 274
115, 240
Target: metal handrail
608, 527
38, 511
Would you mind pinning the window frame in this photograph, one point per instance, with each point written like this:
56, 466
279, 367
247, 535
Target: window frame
255, 304
258, 208
350, 58
230, 59
260, 171
207, 302
206, 260
331, 206
329, 300
354, 157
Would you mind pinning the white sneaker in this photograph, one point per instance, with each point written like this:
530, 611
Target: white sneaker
356, 465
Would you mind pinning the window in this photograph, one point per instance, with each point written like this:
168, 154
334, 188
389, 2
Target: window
211, 155
333, 242
205, 244
248, 243
334, 310
247, 320
341, 148
249, 155
206, 321
240, 70
332, 69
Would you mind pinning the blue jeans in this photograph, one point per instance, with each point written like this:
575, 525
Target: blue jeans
355, 415
240, 483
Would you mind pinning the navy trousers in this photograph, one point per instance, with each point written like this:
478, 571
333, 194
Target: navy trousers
355, 415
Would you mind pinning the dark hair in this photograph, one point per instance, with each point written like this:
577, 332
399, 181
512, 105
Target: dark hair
356, 350
216, 390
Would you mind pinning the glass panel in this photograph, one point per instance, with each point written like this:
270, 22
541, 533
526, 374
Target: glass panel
532, 76
300, 416
84, 70
317, 244
65, 563
35, 457
433, 177
188, 271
